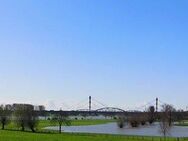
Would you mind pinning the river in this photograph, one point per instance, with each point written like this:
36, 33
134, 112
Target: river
112, 128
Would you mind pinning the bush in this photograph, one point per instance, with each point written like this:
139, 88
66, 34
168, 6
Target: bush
143, 120
121, 122
134, 121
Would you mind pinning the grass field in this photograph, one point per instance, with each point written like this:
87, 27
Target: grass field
12, 134
182, 123
28, 136
47, 123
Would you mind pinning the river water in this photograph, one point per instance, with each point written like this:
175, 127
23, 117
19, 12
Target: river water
112, 128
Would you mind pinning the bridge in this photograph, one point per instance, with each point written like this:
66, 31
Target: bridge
105, 110
95, 108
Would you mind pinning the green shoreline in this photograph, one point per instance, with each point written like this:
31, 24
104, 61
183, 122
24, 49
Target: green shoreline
7, 135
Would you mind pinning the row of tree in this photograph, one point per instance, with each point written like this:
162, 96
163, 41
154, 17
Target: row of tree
24, 116
165, 118
27, 116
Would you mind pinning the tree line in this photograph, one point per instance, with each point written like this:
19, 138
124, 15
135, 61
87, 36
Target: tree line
26, 116
23, 115
166, 117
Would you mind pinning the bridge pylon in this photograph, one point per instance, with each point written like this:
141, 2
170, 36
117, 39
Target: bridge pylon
89, 103
156, 108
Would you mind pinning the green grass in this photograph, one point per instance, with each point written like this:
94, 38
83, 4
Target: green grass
28, 136
46, 123
13, 134
182, 123
90, 122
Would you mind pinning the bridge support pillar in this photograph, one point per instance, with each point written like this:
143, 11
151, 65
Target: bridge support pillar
156, 108
89, 103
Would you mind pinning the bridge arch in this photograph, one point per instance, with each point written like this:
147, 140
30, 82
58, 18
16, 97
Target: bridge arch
82, 110
110, 109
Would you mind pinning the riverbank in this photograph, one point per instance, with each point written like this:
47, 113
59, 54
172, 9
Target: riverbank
29, 136
47, 123
182, 123
113, 129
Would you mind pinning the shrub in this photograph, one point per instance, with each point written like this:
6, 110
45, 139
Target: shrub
121, 122
134, 121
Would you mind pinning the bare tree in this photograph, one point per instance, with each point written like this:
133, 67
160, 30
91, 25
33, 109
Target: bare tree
32, 120
166, 119
168, 110
61, 118
25, 116
151, 114
134, 121
143, 119
121, 121
20, 115
164, 124
179, 116
4, 115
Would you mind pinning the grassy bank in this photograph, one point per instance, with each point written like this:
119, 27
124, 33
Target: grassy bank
12, 134
28, 136
182, 123
47, 123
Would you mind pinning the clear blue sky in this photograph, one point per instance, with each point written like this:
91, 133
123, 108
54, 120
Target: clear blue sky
122, 52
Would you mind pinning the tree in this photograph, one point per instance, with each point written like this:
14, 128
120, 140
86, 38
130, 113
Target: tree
164, 124
143, 119
25, 116
151, 114
121, 121
134, 121
168, 110
4, 115
32, 120
20, 115
61, 118
166, 119
179, 116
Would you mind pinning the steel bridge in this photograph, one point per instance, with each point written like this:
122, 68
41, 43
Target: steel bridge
93, 106
110, 111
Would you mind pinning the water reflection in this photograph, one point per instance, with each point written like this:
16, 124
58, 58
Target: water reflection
112, 128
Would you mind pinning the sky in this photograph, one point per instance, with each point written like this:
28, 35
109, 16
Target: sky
123, 53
